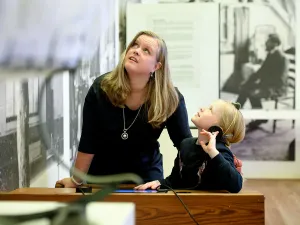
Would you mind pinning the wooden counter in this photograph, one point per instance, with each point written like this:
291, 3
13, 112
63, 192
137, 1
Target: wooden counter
246, 207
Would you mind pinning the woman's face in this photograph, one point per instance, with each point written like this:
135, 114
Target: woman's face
141, 58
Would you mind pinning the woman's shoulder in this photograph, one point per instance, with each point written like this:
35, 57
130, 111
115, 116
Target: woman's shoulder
95, 91
180, 96
97, 82
188, 142
99, 79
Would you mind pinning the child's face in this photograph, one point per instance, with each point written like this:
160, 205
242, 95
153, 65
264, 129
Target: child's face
207, 116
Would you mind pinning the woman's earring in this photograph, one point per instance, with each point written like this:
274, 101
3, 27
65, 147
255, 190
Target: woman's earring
152, 75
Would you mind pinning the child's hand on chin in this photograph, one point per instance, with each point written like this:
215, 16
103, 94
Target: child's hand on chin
210, 147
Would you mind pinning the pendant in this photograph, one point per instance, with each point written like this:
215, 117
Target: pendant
124, 135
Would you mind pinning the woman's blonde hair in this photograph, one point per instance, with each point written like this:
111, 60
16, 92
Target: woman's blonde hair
161, 99
232, 122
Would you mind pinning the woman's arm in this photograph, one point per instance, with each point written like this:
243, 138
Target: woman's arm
184, 172
88, 141
174, 179
178, 124
83, 162
171, 181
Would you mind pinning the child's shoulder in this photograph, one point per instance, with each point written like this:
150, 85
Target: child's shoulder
223, 148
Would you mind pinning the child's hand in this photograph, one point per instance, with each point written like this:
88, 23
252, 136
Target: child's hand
153, 185
210, 148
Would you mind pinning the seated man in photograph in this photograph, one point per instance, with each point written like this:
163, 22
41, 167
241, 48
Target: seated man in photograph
269, 81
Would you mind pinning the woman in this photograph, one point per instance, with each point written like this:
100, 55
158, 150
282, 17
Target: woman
125, 112
206, 162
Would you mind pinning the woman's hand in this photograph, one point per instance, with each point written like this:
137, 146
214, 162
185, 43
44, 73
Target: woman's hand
83, 162
67, 182
152, 185
210, 147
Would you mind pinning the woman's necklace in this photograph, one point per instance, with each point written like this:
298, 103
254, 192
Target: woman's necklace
124, 135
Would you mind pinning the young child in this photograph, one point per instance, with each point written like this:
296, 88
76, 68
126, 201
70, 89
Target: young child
206, 162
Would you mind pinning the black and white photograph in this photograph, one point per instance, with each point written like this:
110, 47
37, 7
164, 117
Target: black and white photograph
22, 155
79, 86
272, 141
108, 46
104, 60
122, 22
257, 54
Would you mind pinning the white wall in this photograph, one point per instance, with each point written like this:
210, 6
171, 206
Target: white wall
46, 178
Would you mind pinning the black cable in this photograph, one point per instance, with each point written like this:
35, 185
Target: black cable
99, 195
184, 205
81, 190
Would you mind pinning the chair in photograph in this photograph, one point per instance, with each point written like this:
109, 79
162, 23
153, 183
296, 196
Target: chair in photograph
289, 99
